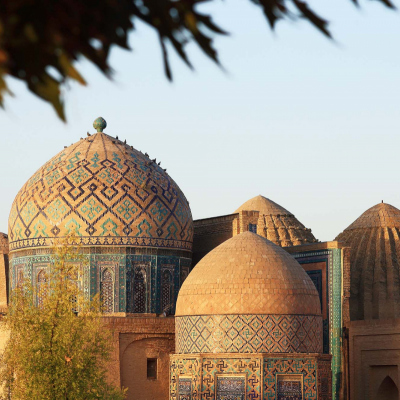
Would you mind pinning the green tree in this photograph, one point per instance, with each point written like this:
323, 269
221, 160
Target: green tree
58, 346
41, 39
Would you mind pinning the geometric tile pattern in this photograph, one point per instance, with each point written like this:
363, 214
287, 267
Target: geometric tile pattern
332, 326
290, 389
105, 192
258, 372
215, 367
290, 366
185, 388
185, 367
248, 334
231, 387
324, 380
128, 283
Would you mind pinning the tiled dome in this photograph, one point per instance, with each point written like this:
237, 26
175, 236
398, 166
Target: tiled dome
277, 224
248, 296
105, 192
3, 243
374, 239
248, 274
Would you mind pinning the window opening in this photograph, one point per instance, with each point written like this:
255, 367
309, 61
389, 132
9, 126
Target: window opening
152, 368
41, 286
253, 228
166, 292
107, 291
139, 290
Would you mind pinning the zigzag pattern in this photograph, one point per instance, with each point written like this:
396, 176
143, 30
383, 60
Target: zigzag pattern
249, 334
105, 192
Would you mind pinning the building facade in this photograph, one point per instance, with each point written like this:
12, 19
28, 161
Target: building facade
139, 243
249, 326
135, 231
373, 329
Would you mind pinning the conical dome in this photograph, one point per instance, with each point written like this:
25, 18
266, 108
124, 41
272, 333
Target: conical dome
250, 283
276, 223
105, 192
374, 239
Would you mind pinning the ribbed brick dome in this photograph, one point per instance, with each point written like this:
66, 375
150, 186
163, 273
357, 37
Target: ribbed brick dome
248, 274
374, 239
277, 224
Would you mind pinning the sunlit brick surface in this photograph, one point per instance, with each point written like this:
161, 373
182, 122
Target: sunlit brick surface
374, 239
248, 274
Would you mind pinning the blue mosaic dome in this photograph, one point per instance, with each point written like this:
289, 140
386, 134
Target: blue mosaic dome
105, 192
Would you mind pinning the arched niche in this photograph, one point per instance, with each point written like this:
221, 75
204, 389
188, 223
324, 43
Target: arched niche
387, 390
134, 366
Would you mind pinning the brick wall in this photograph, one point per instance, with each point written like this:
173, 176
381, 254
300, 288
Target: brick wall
135, 340
3, 281
374, 347
210, 233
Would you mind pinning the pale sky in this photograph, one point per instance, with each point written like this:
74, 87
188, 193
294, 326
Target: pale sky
310, 123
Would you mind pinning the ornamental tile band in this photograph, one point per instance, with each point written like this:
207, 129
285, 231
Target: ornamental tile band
249, 334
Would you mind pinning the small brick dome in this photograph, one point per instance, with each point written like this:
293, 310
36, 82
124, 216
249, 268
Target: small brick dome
248, 274
276, 223
264, 206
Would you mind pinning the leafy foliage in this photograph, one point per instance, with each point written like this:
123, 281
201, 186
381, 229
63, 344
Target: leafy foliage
40, 40
52, 353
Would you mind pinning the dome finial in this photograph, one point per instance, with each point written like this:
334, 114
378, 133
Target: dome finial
99, 124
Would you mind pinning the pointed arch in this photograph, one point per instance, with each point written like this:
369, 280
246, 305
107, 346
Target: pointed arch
41, 286
387, 390
20, 278
167, 288
107, 290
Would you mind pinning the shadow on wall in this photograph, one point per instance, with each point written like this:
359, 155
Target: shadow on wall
388, 390
145, 368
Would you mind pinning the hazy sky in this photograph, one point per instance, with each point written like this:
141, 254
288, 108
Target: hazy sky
310, 123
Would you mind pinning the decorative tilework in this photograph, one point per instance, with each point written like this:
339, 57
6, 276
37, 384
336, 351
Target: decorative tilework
332, 327
107, 193
188, 366
130, 283
324, 380
185, 388
248, 334
230, 387
289, 387
261, 372
307, 367
216, 367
